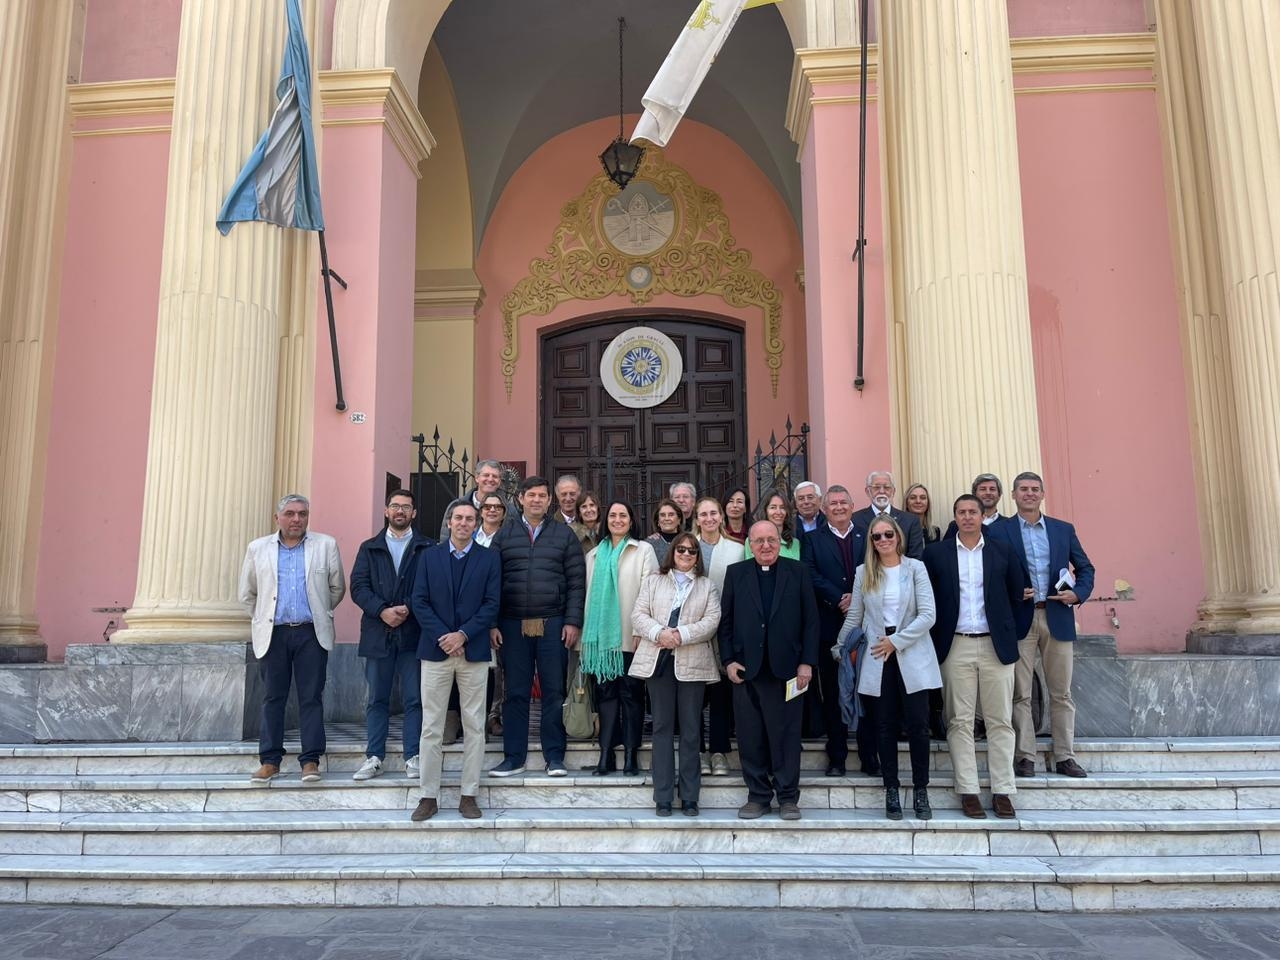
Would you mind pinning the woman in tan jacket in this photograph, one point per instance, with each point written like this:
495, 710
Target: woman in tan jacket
675, 617
616, 567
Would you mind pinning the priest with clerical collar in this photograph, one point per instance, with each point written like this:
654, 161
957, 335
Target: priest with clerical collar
768, 637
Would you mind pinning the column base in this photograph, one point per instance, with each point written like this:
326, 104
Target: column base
1235, 644
190, 625
20, 641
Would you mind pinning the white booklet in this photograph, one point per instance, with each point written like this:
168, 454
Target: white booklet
794, 689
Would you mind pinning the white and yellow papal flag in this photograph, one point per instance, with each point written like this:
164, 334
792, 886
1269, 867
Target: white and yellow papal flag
680, 75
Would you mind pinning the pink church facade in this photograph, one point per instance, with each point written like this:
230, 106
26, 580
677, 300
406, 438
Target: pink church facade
435, 227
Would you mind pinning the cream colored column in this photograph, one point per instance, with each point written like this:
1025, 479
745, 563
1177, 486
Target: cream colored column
1224, 530
213, 407
1239, 60
34, 42
955, 217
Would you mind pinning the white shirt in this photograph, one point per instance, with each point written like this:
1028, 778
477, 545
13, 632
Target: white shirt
973, 609
484, 539
892, 595
841, 535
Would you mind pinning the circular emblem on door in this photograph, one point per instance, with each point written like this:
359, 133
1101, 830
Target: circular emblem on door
641, 367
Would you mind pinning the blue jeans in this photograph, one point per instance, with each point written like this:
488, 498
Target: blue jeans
520, 655
295, 656
381, 672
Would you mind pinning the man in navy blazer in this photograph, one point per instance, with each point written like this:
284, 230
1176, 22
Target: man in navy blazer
768, 635
976, 585
455, 600
880, 489
1047, 548
832, 552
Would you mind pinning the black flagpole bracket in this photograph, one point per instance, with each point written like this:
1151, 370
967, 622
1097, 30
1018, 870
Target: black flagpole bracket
326, 273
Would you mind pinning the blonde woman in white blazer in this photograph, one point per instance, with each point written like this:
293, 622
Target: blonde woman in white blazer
619, 698
893, 604
676, 616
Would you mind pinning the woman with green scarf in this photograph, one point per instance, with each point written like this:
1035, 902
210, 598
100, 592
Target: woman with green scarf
615, 569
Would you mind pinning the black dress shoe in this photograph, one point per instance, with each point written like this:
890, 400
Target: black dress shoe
1024, 768
1069, 768
630, 762
892, 803
920, 802
871, 769
835, 770
663, 809
690, 808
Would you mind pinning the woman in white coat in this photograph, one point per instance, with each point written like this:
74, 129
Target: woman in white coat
615, 569
893, 604
676, 616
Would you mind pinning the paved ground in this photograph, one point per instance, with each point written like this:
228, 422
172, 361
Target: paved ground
122, 933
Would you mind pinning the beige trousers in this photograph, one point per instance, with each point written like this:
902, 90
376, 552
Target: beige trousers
437, 683
1057, 656
972, 674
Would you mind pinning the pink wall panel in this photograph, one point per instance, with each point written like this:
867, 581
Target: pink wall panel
521, 228
130, 40
1069, 18
102, 384
1109, 370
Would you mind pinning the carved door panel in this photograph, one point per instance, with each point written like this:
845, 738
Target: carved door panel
697, 434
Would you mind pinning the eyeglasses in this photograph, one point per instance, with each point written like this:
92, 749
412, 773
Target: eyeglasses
886, 535
766, 541
400, 507
881, 487
687, 551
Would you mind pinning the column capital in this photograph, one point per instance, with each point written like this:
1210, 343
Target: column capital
344, 92
447, 295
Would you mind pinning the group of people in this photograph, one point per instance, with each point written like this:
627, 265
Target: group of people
736, 612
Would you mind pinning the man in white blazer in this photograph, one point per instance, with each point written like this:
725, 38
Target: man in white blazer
291, 582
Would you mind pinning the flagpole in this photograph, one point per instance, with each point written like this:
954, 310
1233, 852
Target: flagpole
333, 330
860, 248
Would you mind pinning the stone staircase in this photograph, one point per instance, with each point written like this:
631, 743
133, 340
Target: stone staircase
1159, 823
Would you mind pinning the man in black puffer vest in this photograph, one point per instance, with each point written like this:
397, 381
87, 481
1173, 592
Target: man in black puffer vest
544, 589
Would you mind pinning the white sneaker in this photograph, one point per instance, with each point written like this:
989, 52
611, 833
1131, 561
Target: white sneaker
413, 768
371, 767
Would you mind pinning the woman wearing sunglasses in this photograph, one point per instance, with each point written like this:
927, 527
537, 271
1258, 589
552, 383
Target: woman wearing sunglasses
676, 615
493, 514
893, 604
615, 570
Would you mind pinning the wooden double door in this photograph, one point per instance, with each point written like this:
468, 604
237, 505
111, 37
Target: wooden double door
697, 434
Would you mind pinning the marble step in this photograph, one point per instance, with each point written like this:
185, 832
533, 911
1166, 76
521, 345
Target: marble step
1034, 834
657, 879
1214, 790
1198, 754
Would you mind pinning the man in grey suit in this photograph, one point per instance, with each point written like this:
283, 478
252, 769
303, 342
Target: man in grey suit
880, 490
291, 581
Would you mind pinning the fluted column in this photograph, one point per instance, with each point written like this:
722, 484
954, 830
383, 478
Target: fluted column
956, 224
34, 40
210, 458
1225, 532
1239, 59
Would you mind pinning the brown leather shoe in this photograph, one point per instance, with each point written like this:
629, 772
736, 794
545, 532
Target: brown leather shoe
1003, 806
971, 806
310, 772
1024, 768
789, 811
752, 810
1069, 768
425, 810
266, 772
468, 807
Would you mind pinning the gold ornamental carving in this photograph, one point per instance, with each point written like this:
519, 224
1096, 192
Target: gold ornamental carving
663, 234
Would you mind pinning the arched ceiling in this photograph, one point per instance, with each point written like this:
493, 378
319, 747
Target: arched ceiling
524, 71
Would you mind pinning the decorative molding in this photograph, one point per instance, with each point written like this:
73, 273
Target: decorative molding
700, 256
121, 99
447, 295
337, 88
385, 89
1123, 51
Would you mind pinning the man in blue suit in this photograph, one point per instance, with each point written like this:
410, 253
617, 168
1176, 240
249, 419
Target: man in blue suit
977, 582
455, 601
1061, 576
832, 552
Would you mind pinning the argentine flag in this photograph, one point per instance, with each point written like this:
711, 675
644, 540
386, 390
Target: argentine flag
279, 183
680, 75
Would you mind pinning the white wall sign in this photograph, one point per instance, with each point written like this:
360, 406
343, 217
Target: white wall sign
641, 367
